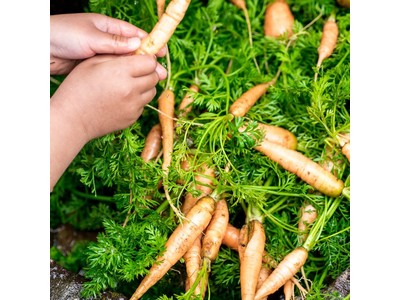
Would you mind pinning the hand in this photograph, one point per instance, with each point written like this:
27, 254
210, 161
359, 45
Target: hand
107, 93
102, 94
74, 37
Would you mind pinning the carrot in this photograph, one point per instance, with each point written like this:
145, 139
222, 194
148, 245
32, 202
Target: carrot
186, 104
215, 232
330, 33
152, 144
166, 103
178, 243
344, 3
164, 28
276, 135
288, 290
309, 171
278, 19
308, 214
193, 264
203, 183
264, 273
344, 142
231, 237
251, 261
243, 239
160, 8
285, 270
246, 101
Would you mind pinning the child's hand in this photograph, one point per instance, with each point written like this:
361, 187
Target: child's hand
74, 37
107, 93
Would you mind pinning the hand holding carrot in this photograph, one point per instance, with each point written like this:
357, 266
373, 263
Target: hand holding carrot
74, 37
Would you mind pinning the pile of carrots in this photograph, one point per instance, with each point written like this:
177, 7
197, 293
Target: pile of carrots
203, 218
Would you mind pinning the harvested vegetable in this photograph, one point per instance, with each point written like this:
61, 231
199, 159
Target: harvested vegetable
278, 20
152, 144
164, 28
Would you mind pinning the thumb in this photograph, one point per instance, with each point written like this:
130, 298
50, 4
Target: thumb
114, 44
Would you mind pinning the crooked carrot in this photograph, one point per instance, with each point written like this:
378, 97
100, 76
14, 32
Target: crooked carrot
152, 144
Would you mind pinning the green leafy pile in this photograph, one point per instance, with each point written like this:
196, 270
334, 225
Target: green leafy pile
108, 187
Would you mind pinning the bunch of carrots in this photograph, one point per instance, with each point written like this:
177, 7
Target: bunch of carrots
205, 222
204, 206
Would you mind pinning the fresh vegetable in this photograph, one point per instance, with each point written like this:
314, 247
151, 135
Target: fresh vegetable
185, 105
193, 261
178, 243
344, 142
243, 104
164, 28
308, 214
285, 270
231, 237
278, 19
152, 143
288, 290
251, 261
302, 166
160, 7
328, 42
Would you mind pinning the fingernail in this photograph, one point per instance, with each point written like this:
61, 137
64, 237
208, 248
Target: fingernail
134, 43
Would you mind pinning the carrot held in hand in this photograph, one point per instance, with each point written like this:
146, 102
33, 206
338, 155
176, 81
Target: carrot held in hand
178, 243
308, 170
165, 27
285, 270
278, 19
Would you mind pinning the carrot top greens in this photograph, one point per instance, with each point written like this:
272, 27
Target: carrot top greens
108, 187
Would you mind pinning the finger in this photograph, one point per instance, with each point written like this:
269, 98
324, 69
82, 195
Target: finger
103, 42
148, 95
138, 65
145, 83
119, 27
161, 71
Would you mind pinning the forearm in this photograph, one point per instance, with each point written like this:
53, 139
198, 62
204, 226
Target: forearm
66, 140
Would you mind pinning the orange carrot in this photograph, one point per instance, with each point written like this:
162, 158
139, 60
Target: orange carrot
152, 144
278, 19
344, 142
186, 104
231, 237
203, 183
288, 290
264, 273
164, 28
166, 103
178, 243
330, 33
276, 135
285, 270
246, 101
215, 232
243, 239
193, 264
308, 214
160, 8
309, 171
251, 261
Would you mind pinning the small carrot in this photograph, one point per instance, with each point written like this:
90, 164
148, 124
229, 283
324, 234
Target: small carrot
308, 214
297, 163
203, 183
178, 243
251, 260
278, 19
264, 273
288, 290
276, 135
246, 101
160, 7
166, 103
186, 104
344, 142
152, 144
192, 259
231, 237
215, 232
285, 270
164, 28
330, 33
